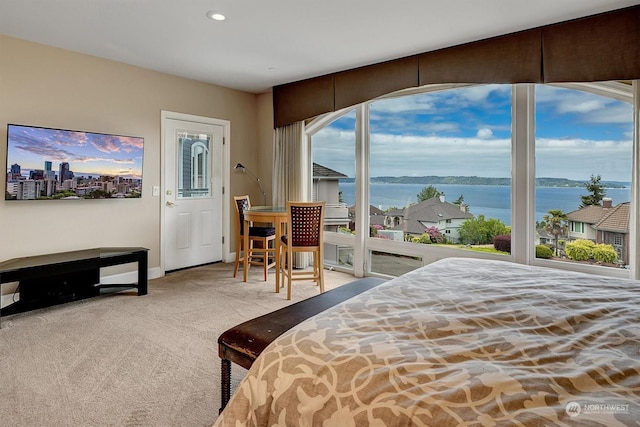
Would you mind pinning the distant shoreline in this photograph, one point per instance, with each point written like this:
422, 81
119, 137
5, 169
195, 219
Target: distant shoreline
477, 180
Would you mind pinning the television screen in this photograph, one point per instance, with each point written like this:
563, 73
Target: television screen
59, 164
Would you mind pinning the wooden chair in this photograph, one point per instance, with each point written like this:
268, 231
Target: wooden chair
305, 224
261, 240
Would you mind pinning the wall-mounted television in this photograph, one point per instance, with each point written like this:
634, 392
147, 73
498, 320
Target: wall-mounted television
60, 164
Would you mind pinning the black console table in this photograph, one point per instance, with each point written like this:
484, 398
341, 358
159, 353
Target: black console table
61, 277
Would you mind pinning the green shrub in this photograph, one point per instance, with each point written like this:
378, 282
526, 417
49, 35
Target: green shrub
605, 253
424, 238
580, 250
543, 251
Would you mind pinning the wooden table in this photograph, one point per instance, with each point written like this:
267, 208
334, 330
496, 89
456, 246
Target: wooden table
276, 215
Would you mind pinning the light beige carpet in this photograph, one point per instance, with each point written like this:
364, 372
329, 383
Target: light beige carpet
124, 360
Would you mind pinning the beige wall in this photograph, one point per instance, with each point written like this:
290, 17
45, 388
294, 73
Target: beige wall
265, 143
50, 87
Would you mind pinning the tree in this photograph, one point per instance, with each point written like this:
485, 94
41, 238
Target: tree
460, 202
597, 192
481, 231
556, 225
427, 193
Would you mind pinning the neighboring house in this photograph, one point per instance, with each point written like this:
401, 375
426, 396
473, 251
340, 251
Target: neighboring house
581, 221
606, 224
376, 216
613, 229
543, 237
325, 187
434, 212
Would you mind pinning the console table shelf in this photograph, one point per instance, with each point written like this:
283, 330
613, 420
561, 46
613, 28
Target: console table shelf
66, 276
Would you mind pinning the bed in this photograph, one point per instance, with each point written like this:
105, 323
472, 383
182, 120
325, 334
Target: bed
460, 342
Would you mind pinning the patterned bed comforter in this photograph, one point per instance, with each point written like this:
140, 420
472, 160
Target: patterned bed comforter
460, 342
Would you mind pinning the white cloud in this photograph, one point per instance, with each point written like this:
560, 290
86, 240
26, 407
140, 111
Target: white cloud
402, 104
402, 145
484, 133
410, 155
584, 106
588, 107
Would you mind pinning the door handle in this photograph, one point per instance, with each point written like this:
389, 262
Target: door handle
170, 203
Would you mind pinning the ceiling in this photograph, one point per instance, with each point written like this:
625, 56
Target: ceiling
265, 43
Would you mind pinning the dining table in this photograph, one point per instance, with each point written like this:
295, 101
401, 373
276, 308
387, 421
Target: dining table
276, 215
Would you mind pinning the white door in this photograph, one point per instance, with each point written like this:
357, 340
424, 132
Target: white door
192, 194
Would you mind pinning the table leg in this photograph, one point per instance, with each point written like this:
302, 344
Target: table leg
245, 248
278, 226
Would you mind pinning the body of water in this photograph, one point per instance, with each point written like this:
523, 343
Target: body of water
492, 201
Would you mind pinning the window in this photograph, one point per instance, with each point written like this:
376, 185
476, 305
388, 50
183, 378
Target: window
436, 157
194, 165
617, 240
584, 152
452, 145
333, 155
393, 264
577, 227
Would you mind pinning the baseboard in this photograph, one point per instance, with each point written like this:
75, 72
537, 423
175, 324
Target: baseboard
129, 277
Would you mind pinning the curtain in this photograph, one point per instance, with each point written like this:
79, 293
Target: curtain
291, 171
595, 48
290, 164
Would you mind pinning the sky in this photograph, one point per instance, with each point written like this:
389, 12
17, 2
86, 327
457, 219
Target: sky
87, 153
467, 132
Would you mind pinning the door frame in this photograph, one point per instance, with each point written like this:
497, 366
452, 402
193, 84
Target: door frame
226, 125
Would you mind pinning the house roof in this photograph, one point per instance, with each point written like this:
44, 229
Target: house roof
615, 220
434, 210
323, 172
589, 215
376, 220
373, 211
544, 234
431, 210
410, 226
396, 212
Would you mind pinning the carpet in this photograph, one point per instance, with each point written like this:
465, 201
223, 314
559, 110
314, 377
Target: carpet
124, 360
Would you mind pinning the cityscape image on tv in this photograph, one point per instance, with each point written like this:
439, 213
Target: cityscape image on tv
57, 164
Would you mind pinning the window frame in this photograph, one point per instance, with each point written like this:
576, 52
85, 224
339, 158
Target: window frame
522, 183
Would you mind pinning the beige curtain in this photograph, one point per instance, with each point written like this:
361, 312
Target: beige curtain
291, 171
290, 164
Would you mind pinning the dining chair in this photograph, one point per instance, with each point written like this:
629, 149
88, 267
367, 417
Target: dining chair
262, 236
305, 224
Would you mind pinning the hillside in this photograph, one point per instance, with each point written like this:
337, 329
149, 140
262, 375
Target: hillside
477, 180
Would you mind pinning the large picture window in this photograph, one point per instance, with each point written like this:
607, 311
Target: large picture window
584, 152
435, 168
333, 155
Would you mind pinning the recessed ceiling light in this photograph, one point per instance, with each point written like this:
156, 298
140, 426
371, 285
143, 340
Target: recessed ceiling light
215, 16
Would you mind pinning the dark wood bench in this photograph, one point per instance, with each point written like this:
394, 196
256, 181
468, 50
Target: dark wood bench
243, 343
